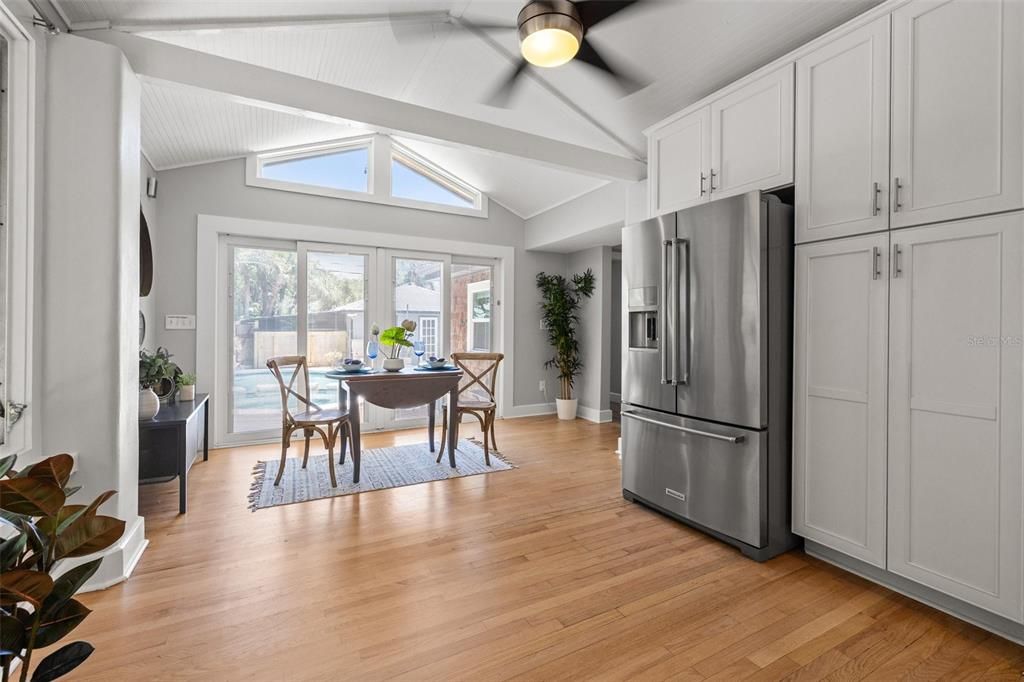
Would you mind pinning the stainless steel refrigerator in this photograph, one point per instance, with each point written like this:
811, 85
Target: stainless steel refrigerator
706, 380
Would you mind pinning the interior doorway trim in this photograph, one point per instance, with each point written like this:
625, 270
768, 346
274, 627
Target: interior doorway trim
211, 279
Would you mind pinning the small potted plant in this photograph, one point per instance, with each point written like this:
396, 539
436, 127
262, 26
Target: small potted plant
187, 387
156, 372
560, 305
394, 339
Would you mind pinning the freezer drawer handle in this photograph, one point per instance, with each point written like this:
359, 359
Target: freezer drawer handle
684, 429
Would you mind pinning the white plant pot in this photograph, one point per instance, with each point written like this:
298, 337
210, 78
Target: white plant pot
566, 408
187, 393
394, 364
149, 404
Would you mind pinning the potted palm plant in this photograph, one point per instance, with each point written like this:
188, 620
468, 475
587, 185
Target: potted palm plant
561, 299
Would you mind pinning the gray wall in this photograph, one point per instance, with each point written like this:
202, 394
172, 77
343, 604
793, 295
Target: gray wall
220, 189
595, 329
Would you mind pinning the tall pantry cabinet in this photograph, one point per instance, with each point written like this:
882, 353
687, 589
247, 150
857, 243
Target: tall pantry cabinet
909, 298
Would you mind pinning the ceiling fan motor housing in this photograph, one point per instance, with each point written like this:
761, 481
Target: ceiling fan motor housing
544, 14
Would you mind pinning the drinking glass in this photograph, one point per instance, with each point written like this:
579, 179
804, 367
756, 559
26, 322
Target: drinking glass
418, 349
372, 350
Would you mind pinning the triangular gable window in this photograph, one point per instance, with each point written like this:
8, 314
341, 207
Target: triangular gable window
416, 179
344, 168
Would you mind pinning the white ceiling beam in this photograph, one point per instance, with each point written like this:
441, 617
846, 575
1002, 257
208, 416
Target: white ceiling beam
268, 88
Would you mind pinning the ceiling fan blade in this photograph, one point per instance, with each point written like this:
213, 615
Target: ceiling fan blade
503, 93
629, 84
593, 12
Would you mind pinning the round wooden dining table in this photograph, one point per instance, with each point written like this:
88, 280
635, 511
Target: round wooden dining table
405, 389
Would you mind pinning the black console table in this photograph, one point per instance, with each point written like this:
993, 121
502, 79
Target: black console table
170, 442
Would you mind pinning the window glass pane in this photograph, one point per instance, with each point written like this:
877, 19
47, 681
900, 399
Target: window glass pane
407, 183
345, 169
335, 317
417, 297
471, 308
264, 301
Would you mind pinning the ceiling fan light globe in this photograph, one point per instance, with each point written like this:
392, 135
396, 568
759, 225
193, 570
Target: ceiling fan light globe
550, 47
550, 32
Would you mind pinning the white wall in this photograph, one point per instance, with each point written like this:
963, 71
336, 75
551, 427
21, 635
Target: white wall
595, 333
220, 189
90, 278
615, 311
593, 219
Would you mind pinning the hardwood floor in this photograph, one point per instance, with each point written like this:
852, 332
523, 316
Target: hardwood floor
540, 573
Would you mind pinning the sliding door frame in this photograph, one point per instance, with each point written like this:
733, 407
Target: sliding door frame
215, 232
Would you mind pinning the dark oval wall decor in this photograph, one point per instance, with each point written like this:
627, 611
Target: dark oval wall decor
145, 256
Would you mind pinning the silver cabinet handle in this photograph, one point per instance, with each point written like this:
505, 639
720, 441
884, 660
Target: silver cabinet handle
666, 323
876, 263
875, 208
702, 179
712, 184
896, 187
897, 261
693, 432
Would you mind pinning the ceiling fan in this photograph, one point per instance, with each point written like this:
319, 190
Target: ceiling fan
553, 33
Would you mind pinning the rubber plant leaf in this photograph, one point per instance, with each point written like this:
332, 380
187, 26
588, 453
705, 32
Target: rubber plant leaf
31, 496
6, 463
53, 627
62, 661
67, 584
24, 585
88, 534
12, 635
57, 469
11, 549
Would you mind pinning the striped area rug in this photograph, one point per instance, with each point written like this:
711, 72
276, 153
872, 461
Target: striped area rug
381, 468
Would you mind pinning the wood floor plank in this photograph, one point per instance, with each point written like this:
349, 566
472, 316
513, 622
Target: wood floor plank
543, 572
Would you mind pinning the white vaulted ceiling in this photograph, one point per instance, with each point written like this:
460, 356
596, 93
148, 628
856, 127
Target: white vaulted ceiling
687, 48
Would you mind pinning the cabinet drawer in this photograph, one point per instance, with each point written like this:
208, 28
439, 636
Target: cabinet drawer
710, 474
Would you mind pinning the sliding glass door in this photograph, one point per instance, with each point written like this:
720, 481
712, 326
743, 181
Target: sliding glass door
320, 300
263, 296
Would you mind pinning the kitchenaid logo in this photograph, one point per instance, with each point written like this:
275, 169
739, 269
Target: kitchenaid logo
986, 341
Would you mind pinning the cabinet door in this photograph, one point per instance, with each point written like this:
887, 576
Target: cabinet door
839, 420
955, 410
842, 136
678, 157
752, 136
956, 109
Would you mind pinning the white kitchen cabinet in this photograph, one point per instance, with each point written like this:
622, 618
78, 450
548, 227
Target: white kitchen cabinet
842, 136
955, 412
839, 429
752, 136
681, 153
957, 80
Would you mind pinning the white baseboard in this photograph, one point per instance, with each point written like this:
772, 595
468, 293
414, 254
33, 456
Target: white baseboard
534, 410
119, 560
592, 414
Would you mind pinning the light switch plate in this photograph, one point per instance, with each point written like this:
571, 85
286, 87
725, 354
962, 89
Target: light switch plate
179, 322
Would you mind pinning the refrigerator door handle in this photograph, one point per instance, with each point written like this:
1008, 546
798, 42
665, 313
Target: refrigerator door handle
685, 429
668, 328
682, 309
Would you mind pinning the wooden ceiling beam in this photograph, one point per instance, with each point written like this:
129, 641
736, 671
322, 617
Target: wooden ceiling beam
268, 88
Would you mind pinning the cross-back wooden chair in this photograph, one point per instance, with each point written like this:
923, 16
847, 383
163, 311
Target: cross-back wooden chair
476, 396
311, 418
